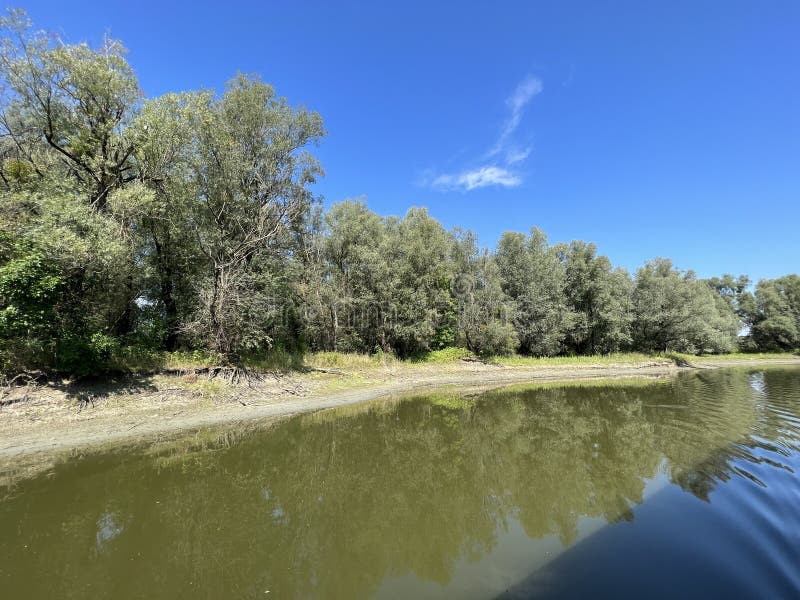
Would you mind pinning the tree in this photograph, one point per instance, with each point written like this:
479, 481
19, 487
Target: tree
775, 320
533, 278
418, 312
600, 298
343, 273
166, 147
483, 311
252, 175
64, 280
674, 311
72, 100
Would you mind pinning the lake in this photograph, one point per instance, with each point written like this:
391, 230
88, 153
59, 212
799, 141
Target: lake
684, 486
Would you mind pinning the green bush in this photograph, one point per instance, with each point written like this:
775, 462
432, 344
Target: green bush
85, 355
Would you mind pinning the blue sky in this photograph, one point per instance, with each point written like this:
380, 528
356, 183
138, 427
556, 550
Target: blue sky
651, 128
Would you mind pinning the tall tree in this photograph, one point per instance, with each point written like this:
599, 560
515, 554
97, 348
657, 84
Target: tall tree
418, 312
72, 99
600, 298
253, 175
63, 116
166, 147
484, 312
533, 278
674, 311
775, 319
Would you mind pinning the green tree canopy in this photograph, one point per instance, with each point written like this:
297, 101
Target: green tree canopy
674, 311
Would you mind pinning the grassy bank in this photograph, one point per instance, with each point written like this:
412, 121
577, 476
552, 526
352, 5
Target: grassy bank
134, 361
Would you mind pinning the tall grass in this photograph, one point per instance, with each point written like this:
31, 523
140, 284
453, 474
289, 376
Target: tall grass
141, 360
626, 358
137, 359
347, 360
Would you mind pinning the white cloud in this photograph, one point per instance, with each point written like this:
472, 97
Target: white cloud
526, 90
477, 178
515, 156
497, 171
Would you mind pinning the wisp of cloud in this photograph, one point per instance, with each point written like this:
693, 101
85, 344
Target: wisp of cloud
476, 178
494, 174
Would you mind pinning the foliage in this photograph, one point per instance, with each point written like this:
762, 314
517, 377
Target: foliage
600, 298
775, 316
419, 313
674, 311
483, 310
252, 176
533, 277
622, 358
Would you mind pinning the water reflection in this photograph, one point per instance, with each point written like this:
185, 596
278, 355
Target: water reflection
408, 497
108, 528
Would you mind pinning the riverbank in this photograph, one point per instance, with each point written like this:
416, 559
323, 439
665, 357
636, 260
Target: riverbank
63, 417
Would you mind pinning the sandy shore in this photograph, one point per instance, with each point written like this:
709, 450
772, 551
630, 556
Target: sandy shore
59, 418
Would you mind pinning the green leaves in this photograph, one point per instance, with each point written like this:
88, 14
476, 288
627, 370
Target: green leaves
533, 278
484, 311
68, 107
29, 289
674, 311
251, 176
600, 298
775, 314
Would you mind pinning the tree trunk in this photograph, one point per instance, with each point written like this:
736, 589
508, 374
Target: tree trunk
335, 326
166, 275
125, 323
216, 312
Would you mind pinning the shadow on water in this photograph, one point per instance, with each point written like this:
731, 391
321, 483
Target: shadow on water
422, 493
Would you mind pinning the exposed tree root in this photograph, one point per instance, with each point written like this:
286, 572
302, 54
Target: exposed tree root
235, 375
27, 380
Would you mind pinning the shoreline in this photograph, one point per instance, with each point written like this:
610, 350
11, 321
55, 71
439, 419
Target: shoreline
55, 419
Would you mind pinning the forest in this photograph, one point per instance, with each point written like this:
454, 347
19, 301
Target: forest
189, 222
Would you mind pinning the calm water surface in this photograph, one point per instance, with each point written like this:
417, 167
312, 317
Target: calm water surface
685, 487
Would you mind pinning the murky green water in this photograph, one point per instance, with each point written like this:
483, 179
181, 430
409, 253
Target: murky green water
686, 487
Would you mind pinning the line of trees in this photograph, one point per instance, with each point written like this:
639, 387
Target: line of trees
188, 221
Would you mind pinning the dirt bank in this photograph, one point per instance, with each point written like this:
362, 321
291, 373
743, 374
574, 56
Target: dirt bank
58, 418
